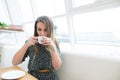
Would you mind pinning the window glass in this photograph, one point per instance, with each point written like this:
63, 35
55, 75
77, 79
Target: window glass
99, 26
4, 16
61, 29
29, 29
77, 3
26, 9
50, 7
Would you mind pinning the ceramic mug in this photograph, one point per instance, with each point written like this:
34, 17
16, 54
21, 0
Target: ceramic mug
40, 39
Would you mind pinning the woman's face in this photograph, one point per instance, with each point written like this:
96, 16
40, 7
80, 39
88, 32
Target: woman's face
41, 29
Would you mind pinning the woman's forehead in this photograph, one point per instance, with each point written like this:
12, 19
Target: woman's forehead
41, 25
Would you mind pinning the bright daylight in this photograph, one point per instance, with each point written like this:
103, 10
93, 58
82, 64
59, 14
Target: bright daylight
59, 39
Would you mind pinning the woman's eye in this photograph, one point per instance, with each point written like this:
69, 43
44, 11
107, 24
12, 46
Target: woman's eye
39, 29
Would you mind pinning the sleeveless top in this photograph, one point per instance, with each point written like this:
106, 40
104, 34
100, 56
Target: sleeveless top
40, 61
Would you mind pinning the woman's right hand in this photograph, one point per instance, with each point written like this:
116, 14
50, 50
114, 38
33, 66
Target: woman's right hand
32, 41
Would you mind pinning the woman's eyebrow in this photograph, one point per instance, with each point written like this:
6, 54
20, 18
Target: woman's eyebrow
38, 28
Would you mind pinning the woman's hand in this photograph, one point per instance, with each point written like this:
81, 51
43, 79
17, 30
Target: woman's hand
47, 41
32, 41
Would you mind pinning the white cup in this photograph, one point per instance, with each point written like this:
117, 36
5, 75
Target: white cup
40, 39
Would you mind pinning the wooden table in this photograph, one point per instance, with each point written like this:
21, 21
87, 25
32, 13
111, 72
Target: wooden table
26, 77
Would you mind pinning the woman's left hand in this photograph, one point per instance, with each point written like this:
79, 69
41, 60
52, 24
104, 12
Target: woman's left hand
47, 41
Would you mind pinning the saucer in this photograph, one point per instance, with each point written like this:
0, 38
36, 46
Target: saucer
14, 74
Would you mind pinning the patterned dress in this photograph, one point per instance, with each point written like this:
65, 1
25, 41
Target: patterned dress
40, 61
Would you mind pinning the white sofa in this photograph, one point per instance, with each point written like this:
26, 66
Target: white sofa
79, 67
75, 65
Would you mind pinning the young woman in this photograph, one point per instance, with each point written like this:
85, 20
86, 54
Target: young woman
44, 59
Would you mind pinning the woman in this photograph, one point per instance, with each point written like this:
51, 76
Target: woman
44, 59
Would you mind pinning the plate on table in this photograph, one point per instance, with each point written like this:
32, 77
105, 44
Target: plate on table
14, 74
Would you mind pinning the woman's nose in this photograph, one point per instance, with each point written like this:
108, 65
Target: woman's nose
42, 33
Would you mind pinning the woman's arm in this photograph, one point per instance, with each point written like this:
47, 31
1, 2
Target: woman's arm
56, 60
17, 58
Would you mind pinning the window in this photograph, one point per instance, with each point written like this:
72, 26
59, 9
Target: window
26, 9
98, 26
61, 29
4, 16
49, 7
77, 21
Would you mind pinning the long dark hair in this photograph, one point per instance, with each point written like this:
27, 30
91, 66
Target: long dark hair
50, 32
